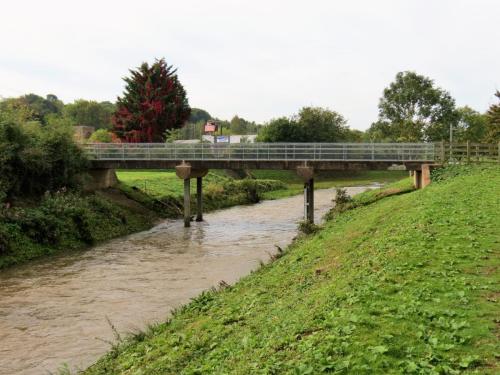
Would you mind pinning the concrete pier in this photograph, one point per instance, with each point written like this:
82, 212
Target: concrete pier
185, 172
199, 198
309, 201
307, 174
187, 202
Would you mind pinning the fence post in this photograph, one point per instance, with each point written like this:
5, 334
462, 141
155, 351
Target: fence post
442, 152
468, 152
498, 152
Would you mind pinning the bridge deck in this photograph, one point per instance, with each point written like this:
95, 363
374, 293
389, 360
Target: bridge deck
326, 156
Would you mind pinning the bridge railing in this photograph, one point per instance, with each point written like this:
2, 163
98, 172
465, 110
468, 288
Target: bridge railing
401, 152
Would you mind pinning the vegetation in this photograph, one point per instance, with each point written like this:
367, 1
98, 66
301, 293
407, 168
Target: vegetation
404, 283
35, 159
90, 113
101, 136
154, 101
412, 109
493, 124
63, 221
294, 184
312, 124
471, 126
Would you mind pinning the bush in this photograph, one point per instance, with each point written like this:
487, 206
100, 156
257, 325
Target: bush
101, 136
36, 159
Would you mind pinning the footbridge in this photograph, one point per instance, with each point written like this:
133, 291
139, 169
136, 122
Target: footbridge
306, 159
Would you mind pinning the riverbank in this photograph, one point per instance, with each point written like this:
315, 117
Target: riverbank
66, 221
399, 283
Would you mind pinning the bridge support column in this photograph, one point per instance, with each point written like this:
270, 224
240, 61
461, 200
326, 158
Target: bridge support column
309, 201
187, 202
199, 198
307, 174
185, 172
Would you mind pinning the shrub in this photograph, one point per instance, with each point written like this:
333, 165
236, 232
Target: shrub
35, 159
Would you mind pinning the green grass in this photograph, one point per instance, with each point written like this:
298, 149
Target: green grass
163, 183
406, 284
326, 180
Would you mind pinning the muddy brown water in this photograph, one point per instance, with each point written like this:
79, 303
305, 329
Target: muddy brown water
56, 311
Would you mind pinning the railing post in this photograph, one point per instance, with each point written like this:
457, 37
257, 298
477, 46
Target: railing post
468, 152
123, 151
442, 152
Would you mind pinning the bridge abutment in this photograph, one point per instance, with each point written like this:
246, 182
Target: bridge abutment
422, 177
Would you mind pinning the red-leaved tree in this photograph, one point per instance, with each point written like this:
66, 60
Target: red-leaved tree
153, 102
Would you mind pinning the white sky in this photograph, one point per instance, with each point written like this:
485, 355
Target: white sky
258, 59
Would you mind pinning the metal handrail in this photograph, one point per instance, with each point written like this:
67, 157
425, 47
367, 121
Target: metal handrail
397, 152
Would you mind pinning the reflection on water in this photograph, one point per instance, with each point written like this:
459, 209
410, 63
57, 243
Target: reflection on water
55, 311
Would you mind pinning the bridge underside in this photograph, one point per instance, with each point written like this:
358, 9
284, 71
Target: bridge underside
261, 164
187, 170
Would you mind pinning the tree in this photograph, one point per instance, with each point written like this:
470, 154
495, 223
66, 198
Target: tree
492, 133
35, 158
32, 107
471, 125
42, 107
198, 115
153, 101
412, 109
282, 129
312, 124
90, 113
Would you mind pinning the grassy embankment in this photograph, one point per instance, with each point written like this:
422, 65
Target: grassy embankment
404, 283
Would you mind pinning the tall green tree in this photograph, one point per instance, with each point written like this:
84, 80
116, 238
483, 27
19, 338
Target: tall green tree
492, 133
413, 109
198, 115
311, 124
471, 125
33, 107
90, 113
153, 102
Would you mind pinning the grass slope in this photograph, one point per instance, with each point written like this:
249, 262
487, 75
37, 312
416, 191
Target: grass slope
408, 284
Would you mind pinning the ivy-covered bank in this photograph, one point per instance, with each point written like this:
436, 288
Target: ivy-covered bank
395, 282
65, 221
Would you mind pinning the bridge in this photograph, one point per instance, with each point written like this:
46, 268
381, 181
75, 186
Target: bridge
306, 159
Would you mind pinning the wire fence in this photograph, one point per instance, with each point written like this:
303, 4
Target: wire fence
395, 152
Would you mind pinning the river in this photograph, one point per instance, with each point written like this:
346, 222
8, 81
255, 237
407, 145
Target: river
58, 310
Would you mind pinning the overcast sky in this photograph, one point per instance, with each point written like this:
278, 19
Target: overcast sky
257, 59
